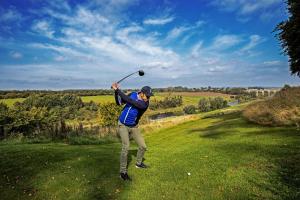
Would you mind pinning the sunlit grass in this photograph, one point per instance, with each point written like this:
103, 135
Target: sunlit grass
227, 158
11, 102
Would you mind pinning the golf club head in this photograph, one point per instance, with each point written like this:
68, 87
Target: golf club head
141, 72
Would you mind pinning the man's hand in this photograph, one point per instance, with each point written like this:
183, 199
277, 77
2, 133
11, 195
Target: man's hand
115, 86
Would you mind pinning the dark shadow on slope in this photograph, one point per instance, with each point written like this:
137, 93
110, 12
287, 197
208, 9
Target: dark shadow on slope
284, 159
283, 166
225, 125
20, 165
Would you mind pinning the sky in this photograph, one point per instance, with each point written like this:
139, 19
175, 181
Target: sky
68, 44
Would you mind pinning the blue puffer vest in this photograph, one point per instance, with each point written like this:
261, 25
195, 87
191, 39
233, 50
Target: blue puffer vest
130, 113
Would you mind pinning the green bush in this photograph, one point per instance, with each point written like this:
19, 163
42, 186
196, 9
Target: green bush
109, 114
167, 102
209, 104
204, 105
190, 109
217, 103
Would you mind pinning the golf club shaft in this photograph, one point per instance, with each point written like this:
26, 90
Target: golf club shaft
126, 77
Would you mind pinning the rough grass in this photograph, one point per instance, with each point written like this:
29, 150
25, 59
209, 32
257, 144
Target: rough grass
282, 109
228, 158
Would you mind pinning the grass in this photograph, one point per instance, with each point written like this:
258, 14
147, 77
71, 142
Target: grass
11, 102
228, 158
99, 99
188, 97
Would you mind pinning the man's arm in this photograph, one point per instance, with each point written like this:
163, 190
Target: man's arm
139, 104
118, 99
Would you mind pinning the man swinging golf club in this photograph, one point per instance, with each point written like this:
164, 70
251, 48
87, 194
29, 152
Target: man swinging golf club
135, 105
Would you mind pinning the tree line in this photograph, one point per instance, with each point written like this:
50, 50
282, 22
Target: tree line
54, 115
11, 94
206, 105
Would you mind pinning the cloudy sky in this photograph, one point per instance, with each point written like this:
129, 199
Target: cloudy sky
61, 44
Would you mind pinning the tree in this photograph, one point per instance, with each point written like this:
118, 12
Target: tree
109, 113
190, 109
3, 118
289, 32
204, 105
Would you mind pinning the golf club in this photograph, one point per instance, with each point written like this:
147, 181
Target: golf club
140, 72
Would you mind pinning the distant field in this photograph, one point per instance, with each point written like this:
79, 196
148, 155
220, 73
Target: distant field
99, 99
192, 98
197, 94
10, 102
188, 97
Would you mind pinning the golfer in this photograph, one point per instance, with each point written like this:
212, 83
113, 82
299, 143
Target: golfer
136, 104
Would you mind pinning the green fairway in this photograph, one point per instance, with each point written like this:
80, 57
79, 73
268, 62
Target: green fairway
11, 102
227, 158
99, 99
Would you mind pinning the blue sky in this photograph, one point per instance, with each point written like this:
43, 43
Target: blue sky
89, 44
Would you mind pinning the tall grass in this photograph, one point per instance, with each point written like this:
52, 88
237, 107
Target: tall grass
283, 109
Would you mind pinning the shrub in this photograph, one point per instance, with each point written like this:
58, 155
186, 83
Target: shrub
190, 109
109, 114
204, 105
167, 102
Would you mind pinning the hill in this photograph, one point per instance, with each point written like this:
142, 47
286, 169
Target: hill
227, 158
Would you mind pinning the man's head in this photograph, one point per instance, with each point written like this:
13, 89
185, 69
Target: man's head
146, 93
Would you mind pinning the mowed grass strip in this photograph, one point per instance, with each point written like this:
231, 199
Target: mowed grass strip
227, 158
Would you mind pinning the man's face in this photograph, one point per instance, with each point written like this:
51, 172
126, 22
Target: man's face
144, 97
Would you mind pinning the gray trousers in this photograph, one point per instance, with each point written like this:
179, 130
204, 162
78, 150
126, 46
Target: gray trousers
126, 133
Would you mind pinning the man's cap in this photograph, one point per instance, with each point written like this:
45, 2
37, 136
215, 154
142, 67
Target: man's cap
147, 91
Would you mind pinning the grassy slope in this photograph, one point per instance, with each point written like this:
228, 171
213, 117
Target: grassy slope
227, 158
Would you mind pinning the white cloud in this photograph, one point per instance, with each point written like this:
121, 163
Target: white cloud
65, 51
217, 69
250, 7
98, 45
254, 41
60, 5
272, 62
178, 31
44, 28
10, 15
196, 49
89, 18
16, 55
246, 8
222, 42
158, 21
60, 58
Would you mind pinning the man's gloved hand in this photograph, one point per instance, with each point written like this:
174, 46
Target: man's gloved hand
115, 86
